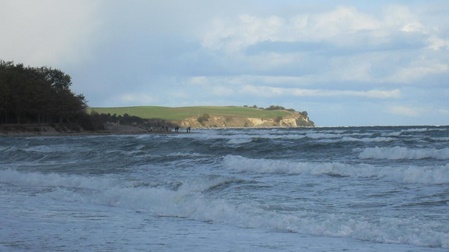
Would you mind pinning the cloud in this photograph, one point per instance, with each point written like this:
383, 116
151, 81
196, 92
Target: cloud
272, 86
135, 98
343, 27
236, 35
47, 32
437, 44
443, 112
418, 70
239, 80
404, 111
344, 44
277, 91
356, 56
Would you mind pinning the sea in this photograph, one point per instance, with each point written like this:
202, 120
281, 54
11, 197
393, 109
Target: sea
277, 189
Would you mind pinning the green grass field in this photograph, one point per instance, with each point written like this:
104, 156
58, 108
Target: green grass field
169, 113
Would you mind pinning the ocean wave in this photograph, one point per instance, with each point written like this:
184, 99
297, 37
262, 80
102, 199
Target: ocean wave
191, 200
409, 174
36, 180
397, 153
384, 230
417, 130
209, 183
239, 141
355, 139
53, 148
323, 135
185, 154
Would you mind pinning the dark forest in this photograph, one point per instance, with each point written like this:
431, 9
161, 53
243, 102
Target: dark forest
40, 95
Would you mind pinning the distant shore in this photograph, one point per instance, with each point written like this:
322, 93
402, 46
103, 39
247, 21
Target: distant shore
25, 130
29, 130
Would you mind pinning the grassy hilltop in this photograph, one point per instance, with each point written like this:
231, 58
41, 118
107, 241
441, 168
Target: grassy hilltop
205, 116
181, 113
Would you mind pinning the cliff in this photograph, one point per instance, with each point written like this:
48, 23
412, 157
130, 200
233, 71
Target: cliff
294, 119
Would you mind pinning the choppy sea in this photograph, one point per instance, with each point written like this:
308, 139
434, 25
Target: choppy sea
302, 189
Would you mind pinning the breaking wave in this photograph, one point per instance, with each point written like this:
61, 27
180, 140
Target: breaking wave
397, 153
408, 174
191, 200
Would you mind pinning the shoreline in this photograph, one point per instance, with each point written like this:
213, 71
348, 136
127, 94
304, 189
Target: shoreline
32, 130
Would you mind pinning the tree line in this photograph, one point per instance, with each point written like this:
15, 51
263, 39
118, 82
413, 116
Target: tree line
277, 107
127, 119
39, 95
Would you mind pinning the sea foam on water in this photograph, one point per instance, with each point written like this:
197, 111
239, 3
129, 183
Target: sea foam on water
275, 190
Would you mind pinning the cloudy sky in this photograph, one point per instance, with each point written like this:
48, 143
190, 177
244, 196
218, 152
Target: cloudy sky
346, 63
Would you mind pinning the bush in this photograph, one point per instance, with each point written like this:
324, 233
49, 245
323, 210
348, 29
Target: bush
203, 118
273, 107
278, 119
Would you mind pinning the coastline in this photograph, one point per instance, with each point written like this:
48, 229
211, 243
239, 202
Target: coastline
30, 130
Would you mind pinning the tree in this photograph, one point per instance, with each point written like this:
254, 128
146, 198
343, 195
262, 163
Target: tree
5, 90
277, 107
36, 95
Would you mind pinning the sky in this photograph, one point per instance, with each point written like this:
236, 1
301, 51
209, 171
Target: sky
347, 63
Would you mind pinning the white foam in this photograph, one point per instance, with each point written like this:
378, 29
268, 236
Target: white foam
323, 135
35, 179
185, 154
239, 141
190, 201
396, 153
407, 174
416, 130
354, 139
